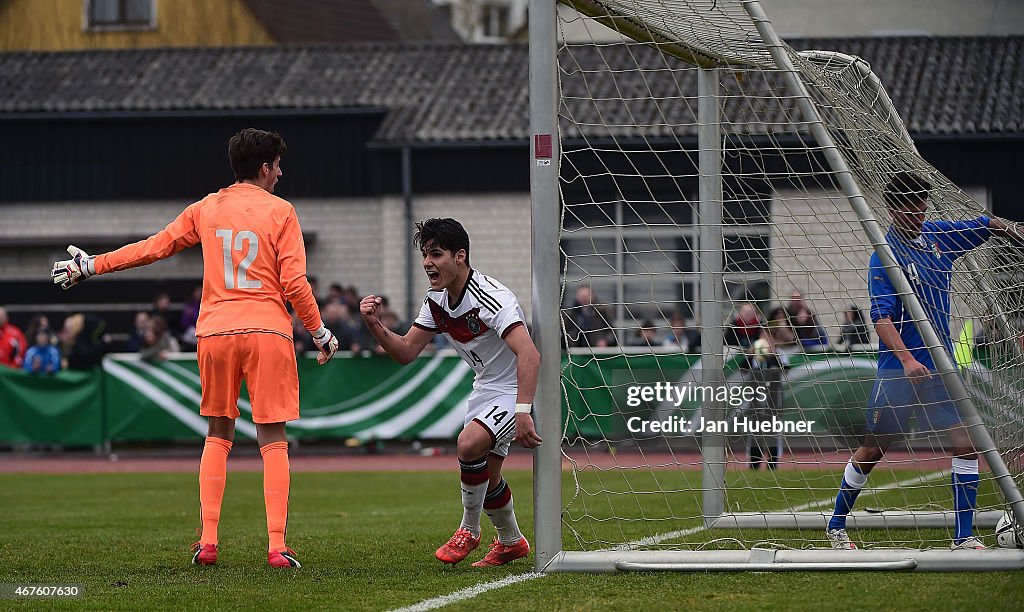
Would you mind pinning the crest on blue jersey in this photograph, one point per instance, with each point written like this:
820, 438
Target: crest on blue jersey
936, 250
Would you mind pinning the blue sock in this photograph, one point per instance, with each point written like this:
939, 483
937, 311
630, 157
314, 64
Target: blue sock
965, 496
853, 482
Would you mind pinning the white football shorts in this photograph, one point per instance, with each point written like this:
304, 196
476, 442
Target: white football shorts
497, 413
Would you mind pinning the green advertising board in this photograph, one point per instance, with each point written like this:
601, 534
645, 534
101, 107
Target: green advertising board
374, 398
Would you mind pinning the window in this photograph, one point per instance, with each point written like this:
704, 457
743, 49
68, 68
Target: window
495, 20
642, 258
120, 14
747, 253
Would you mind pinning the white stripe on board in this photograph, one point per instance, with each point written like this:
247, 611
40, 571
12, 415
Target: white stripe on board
188, 418
450, 424
373, 408
242, 425
411, 415
243, 405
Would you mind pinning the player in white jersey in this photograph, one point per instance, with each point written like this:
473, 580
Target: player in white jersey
484, 322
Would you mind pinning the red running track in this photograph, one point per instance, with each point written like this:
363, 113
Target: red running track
102, 464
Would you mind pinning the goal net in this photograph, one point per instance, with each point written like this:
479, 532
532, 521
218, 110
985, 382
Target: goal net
721, 196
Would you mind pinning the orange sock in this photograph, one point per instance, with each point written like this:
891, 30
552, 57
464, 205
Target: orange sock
213, 474
276, 481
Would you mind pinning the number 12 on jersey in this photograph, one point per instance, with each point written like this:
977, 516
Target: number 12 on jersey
243, 266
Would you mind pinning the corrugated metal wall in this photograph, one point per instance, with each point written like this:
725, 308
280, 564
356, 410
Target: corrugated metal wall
151, 157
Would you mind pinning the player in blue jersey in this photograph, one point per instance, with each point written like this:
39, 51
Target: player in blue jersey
907, 381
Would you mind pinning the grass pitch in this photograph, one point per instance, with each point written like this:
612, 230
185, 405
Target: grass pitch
366, 541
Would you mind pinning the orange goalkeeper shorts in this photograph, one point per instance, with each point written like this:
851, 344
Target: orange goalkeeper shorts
265, 360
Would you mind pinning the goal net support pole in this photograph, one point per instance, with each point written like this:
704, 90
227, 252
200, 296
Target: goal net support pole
712, 357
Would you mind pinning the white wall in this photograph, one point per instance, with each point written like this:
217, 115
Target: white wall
359, 242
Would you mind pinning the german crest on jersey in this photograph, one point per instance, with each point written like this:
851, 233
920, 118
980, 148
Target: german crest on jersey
473, 323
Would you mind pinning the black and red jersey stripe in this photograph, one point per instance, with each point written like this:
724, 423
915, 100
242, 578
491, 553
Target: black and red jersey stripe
462, 328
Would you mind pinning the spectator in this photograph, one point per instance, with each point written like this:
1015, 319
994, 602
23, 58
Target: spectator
683, 338
162, 308
189, 319
12, 342
350, 297
40, 322
43, 357
314, 284
854, 331
159, 342
745, 327
586, 323
805, 323
349, 332
138, 337
783, 338
809, 331
769, 358
646, 335
303, 341
389, 319
335, 293
84, 341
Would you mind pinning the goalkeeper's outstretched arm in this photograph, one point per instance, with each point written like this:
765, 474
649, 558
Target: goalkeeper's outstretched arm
179, 234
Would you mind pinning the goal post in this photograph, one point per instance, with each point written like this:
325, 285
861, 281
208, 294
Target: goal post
546, 288
690, 168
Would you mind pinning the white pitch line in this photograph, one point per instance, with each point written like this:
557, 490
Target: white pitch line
483, 587
469, 593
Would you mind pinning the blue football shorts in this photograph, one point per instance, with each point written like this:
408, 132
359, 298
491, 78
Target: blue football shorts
894, 399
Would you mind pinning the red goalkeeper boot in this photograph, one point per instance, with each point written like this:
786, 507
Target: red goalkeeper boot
283, 558
204, 554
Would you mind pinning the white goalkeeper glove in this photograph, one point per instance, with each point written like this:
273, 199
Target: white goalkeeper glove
327, 343
70, 272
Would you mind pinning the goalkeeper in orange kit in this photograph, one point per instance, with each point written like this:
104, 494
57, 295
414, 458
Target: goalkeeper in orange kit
254, 259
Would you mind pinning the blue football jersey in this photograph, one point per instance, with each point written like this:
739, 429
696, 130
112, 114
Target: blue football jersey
928, 264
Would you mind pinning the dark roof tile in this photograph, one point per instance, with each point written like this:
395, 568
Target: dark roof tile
455, 92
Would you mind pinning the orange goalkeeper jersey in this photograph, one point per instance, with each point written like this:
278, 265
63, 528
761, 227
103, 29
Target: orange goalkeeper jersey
253, 258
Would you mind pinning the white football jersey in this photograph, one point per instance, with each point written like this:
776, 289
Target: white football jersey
476, 326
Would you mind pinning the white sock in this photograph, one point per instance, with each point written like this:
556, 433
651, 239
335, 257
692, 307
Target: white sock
475, 477
503, 516
853, 476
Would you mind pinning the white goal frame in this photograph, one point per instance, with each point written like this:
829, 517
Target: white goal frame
546, 302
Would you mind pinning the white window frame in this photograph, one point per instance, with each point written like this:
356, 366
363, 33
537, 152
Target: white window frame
612, 289
88, 26
490, 15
